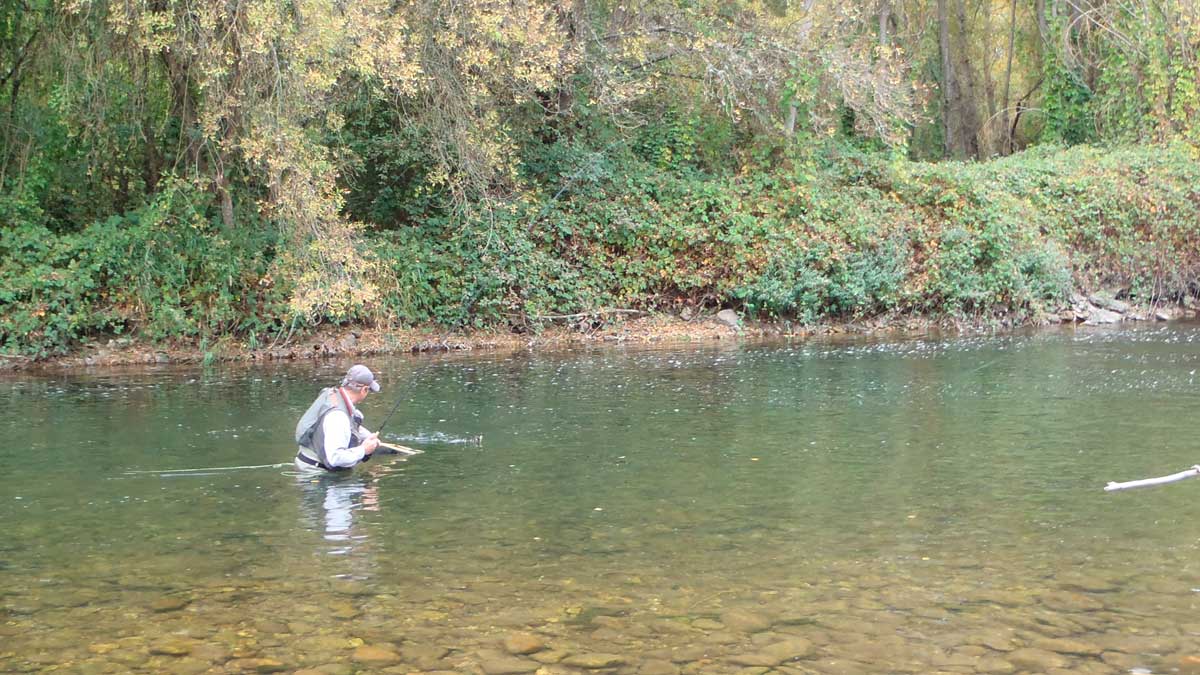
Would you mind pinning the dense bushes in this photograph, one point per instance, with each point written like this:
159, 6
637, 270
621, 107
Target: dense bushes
861, 235
162, 272
850, 236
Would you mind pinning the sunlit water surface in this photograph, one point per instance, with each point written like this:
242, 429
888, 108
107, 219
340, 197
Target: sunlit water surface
915, 506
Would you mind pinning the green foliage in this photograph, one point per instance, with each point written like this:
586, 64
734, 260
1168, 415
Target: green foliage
853, 235
163, 272
386, 181
670, 143
1066, 105
843, 234
795, 287
1132, 81
861, 237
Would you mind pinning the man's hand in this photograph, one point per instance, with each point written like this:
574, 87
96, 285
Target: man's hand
370, 443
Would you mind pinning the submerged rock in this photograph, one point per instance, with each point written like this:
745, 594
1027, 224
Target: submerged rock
594, 661
256, 666
996, 639
989, 664
1037, 660
658, 667
549, 656
336, 669
212, 652
275, 627
187, 666
375, 655
344, 610
1068, 646
424, 655
327, 643
753, 659
742, 621
169, 604
1067, 601
499, 663
790, 650
671, 627
689, 653
1090, 584
102, 647
171, 648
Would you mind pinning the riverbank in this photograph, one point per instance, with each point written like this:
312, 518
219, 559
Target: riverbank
571, 332
369, 341
860, 239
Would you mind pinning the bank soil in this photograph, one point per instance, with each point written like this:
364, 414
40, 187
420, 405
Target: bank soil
564, 333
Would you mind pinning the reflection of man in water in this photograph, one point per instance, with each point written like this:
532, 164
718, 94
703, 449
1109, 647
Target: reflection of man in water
340, 505
331, 502
330, 505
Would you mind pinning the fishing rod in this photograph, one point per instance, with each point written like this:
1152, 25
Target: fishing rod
392, 448
389, 415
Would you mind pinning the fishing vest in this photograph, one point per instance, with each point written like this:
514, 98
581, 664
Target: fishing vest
310, 431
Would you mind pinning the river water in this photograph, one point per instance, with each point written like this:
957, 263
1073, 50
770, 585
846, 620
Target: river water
913, 506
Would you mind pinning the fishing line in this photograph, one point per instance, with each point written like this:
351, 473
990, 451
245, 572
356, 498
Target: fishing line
209, 468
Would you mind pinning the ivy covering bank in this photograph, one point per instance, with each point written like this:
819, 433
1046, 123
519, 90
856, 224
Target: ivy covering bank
840, 234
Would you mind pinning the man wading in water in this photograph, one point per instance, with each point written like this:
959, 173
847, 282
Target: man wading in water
330, 434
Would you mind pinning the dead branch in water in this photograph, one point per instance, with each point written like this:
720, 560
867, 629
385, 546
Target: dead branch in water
1149, 482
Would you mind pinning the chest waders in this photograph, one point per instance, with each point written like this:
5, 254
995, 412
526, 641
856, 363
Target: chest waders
310, 431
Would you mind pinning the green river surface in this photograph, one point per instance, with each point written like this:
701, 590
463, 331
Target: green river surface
912, 506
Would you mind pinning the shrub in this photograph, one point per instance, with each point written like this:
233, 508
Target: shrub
162, 271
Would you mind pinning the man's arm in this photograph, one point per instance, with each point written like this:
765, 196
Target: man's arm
366, 434
337, 440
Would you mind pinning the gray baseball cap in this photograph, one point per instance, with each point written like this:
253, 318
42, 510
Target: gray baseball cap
360, 375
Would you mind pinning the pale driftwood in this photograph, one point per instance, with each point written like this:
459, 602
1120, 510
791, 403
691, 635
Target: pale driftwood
1149, 482
580, 315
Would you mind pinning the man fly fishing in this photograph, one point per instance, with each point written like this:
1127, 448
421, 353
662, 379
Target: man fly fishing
330, 433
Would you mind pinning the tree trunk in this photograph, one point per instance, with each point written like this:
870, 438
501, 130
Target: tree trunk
571, 18
1043, 25
989, 140
949, 85
12, 79
225, 196
968, 94
183, 107
885, 23
151, 158
1012, 39
959, 117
